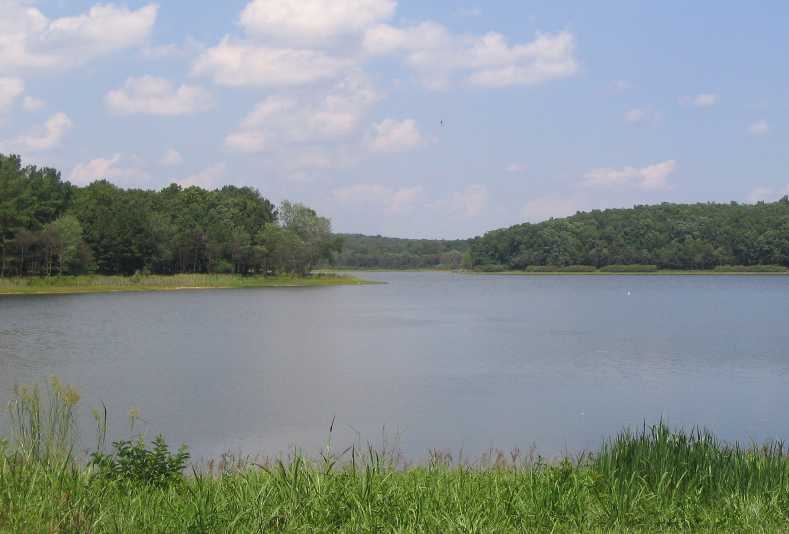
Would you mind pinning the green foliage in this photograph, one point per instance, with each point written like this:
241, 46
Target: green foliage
665, 236
134, 462
376, 252
48, 226
654, 479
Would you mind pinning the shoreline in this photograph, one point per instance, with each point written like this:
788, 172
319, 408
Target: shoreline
118, 284
664, 272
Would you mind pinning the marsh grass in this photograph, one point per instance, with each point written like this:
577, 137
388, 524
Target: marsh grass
653, 479
139, 282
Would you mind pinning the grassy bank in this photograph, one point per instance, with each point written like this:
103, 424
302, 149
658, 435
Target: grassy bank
645, 481
105, 284
639, 270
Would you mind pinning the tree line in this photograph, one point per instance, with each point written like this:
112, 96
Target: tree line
377, 252
669, 236
49, 226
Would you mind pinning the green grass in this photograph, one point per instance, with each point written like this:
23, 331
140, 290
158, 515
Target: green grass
650, 480
106, 284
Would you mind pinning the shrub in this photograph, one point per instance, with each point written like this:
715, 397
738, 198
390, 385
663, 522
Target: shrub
751, 268
134, 462
634, 268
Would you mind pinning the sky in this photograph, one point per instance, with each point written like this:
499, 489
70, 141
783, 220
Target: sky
407, 118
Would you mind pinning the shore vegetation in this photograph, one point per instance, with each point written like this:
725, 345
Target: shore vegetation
652, 479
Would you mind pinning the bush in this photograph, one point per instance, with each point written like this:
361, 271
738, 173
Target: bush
634, 268
134, 462
751, 268
490, 268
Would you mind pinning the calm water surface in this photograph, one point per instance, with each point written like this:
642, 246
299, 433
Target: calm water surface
439, 360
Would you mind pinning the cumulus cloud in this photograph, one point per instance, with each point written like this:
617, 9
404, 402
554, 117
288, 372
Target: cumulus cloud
42, 138
642, 116
704, 100
470, 202
651, 177
30, 103
312, 20
542, 208
440, 57
171, 158
104, 168
767, 194
469, 12
760, 127
393, 201
291, 119
392, 135
208, 178
234, 63
621, 86
156, 96
30, 41
10, 90
517, 168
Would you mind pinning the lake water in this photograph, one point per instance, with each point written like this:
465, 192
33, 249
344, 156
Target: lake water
430, 360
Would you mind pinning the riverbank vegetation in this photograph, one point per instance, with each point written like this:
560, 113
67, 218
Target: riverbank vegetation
107, 284
49, 226
388, 253
649, 480
665, 236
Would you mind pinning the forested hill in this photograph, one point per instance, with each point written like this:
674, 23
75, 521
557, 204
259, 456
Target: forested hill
377, 252
669, 236
48, 226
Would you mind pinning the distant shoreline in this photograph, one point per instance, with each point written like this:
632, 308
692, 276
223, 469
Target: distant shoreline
666, 272
69, 285
660, 272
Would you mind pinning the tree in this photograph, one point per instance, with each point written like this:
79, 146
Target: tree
66, 234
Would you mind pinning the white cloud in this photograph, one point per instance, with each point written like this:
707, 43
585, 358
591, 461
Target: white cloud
208, 178
391, 135
30, 103
189, 48
542, 208
10, 90
393, 201
171, 158
469, 12
291, 119
760, 127
623, 85
31, 41
156, 96
517, 168
439, 57
767, 194
642, 116
470, 202
243, 64
104, 168
313, 20
246, 141
705, 100
651, 177
44, 138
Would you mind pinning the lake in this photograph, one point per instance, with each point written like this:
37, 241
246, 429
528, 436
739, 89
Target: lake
428, 360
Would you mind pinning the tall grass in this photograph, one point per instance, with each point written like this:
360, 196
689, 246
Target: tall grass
653, 479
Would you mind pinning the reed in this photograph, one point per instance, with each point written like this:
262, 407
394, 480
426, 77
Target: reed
656, 479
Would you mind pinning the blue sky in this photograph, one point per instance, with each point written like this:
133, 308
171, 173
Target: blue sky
547, 108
